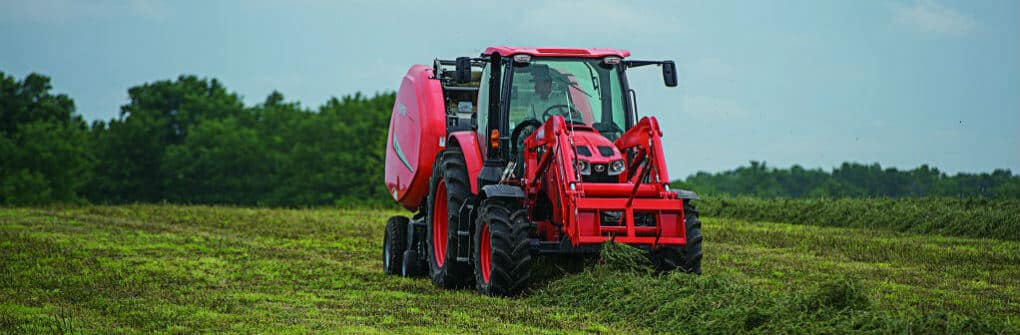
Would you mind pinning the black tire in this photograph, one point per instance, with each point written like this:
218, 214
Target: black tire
506, 225
411, 266
665, 259
692, 251
394, 244
449, 175
687, 258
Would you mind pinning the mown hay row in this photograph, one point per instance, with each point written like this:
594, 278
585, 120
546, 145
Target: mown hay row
983, 218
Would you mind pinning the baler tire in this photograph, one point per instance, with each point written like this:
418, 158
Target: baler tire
394, 244
451, 170
410, 266
503, 223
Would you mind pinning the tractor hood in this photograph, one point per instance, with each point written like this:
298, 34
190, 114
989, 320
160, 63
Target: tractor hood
593, 147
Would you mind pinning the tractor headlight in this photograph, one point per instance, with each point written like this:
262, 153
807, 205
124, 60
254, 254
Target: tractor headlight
584, 167
616, 167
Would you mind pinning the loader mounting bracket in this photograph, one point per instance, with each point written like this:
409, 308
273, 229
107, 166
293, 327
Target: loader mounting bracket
503, 191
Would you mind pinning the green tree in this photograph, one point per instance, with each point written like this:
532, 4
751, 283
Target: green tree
220, 162
852, 180
43, 143
158, 115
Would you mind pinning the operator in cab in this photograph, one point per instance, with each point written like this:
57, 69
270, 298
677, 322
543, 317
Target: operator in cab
549, 98
543, 87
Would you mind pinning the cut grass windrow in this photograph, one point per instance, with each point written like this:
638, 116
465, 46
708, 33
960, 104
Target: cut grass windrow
977, 217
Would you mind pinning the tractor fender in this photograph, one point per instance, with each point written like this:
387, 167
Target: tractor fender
503, 191
468, 143
685, 194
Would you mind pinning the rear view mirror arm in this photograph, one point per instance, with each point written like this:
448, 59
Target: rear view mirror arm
668, 69
640, 63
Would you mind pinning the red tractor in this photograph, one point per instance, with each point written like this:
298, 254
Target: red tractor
525, 152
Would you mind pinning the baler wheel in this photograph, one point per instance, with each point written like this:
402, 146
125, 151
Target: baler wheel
411, 267
394, 244
502, 252
449, 190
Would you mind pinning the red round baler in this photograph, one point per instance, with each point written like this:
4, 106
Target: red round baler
418, 128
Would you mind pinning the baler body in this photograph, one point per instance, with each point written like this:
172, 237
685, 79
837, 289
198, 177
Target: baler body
417, 134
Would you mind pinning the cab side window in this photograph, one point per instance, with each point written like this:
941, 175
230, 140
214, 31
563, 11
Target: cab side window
482, 116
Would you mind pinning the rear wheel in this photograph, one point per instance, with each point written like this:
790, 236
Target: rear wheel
449, 190
394, 244
688, 257
502, 253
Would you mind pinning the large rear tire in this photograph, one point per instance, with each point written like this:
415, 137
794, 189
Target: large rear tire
687, 258
448, 191
394, 244
502, 252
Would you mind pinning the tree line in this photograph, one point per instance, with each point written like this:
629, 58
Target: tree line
852, 180
191, 140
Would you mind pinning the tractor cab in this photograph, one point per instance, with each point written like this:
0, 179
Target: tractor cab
520, 89
586, 94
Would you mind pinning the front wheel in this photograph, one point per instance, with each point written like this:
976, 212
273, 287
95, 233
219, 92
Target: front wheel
502, 252
688, 257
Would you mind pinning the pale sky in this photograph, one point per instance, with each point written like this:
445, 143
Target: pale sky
815, 83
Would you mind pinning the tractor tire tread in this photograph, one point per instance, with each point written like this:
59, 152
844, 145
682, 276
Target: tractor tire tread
692, 253
688, 257
511, 250
451, 168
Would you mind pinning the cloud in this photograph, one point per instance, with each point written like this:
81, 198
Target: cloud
932, 18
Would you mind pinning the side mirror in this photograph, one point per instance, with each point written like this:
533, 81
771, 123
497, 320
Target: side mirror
668, 73
463, 70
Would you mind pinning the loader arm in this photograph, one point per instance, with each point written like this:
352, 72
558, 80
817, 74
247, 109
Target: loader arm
555, 171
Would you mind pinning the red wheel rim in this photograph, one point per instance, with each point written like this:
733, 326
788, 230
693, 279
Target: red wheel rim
439, 224
486, 254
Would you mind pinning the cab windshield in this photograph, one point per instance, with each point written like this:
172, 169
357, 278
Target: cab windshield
583, 91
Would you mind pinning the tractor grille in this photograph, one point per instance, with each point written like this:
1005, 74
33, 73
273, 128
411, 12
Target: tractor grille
600, 174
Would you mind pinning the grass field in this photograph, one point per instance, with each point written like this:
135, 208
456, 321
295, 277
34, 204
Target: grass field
185, 269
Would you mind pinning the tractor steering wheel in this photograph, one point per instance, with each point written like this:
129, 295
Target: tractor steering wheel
548, 111
520, 129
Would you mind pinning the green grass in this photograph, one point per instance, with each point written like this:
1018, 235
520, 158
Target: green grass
968, 217
185, 269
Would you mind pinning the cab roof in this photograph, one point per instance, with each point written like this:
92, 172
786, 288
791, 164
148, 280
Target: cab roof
507, 51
